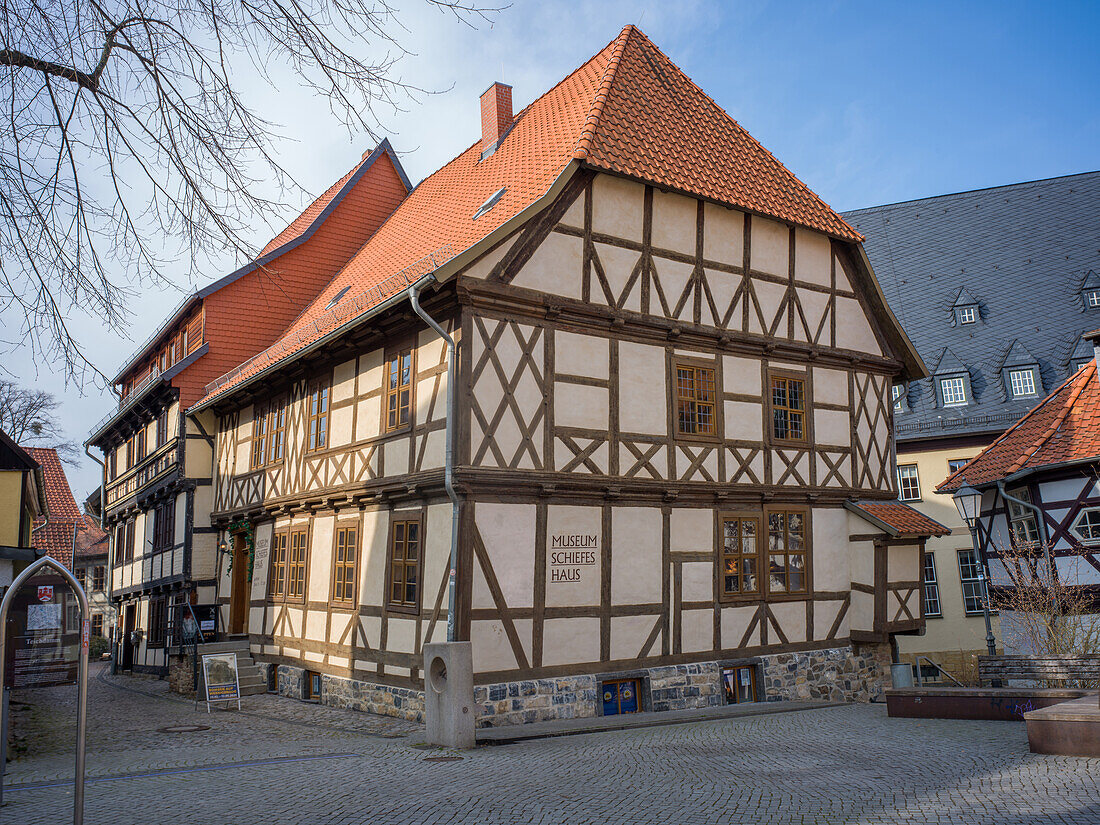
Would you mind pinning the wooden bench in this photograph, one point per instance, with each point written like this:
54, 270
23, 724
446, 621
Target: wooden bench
1064, 669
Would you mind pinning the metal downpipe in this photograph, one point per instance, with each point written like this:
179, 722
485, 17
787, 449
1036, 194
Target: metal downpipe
448, 459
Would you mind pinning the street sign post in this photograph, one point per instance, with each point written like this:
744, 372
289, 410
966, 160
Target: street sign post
47, 645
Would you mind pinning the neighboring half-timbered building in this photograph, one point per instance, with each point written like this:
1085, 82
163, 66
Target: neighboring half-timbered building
158, 462
673, 428
1040, 485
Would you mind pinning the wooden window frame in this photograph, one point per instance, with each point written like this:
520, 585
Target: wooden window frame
259, 438
276, 573
162, 428
99, 577
931, 586
350, 601
269, 433
741, 516
97, 624
324, 386
688, 363
397, 352
156, 633
807, 551
112, 464
405, 518
901, 486
164, 526
806, 411
305, 533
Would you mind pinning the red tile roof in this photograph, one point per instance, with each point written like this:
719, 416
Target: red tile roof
67, 525
1063, 427
898, 519
628, 110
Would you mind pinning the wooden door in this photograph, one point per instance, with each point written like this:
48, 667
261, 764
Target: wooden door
238, 587
128, 618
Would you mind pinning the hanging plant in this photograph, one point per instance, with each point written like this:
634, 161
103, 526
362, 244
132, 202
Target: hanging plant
245, 527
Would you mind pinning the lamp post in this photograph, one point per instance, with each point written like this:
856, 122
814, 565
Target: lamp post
968, 502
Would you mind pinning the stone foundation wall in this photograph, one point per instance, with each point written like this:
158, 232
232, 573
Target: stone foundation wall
680, 687
385, 700
844, 674
535, 700
181, 675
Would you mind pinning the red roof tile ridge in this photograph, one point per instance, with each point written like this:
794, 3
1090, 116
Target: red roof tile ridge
592, 122
960, 473
1082, 379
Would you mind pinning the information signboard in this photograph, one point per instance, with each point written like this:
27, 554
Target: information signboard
219, 671
43, 633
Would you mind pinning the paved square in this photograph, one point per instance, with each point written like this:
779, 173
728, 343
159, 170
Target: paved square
281, 761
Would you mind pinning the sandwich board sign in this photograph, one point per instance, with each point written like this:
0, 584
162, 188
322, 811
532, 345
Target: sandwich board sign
219, 674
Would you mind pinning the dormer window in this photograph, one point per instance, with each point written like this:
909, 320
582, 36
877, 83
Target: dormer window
1021, 383
898, 396
953, 392
967, 315
965, 307
1090, 290
1092, 298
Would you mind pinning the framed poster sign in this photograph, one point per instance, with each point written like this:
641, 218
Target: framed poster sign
219, 671
44, 633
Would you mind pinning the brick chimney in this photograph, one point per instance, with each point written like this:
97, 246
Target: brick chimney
496, 116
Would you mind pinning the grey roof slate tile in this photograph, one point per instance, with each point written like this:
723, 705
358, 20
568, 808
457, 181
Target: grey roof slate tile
1023, 253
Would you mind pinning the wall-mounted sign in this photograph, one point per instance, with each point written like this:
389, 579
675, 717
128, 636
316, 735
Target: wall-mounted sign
570, 553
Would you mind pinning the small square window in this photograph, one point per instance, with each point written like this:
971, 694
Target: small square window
1092, 298
908, 482
968, 315
1022, 383
955, 464
695, 401
953, 392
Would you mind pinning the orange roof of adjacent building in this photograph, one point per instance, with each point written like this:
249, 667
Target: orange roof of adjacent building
630, 111
1063, 428
898, 519
66, 526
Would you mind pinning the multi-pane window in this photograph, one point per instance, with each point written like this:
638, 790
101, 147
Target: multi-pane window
968, 315
1092, 298
1087, 526
296, 566
398, 390
139, 445
268, 434
1022, 383
1025, 528
97, 624
344, 565
317, 411
788, 399
99, 575
787, 551
112, 464
405, 564
970, 573
908, 482
277, 589
81, 576
931, 587
128, 541
953, 391
162, 428
740, 555
695, 403
164, 526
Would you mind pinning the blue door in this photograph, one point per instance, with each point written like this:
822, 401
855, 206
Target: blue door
620, 697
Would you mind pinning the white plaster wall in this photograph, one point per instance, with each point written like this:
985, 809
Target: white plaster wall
584, 355
770, 249
723, 234
574, 520
508, 532
636, 556
674, 220
555, 267
579, 405
617, 207
643, 405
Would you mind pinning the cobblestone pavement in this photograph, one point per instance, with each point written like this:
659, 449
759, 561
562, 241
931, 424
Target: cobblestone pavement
284, 762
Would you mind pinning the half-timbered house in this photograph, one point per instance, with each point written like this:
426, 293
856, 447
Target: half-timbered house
1040, 506
159, 462
672, 426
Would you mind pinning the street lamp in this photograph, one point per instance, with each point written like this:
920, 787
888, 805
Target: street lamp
968, 502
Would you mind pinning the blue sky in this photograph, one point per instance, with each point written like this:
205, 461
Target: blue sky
868, 103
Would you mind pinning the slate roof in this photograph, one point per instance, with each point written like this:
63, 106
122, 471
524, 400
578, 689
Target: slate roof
897, 519
67, 526
629, 110
1023, 253
1063, 428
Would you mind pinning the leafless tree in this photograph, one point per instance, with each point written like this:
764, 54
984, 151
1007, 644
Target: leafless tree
30, 418
127, 141
1043, 610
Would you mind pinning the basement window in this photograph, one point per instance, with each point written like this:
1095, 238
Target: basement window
491, 202
336, 298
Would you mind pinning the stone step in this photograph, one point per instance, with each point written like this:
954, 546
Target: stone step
233, 646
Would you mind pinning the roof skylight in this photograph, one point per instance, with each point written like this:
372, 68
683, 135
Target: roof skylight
491, 202
336, 298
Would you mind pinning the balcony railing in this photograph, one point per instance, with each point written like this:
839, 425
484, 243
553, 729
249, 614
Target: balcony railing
135, 391
151, 468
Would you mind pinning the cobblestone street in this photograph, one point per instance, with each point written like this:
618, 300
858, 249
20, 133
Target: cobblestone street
281, 761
